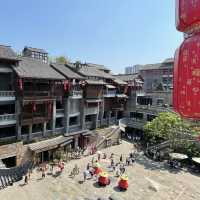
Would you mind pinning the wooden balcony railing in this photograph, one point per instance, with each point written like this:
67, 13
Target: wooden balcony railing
7, 93
7, 117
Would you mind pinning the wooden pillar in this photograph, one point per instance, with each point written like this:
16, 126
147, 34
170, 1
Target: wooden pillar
18, 113
66, 113
30, 132
54, 117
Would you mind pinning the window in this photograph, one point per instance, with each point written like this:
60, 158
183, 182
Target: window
73, 121
150, 117
105, 114
25, 130
160, 101
88, 118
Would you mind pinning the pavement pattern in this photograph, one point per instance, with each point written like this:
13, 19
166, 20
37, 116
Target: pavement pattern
148, 180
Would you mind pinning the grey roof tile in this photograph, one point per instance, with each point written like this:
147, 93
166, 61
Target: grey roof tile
6, 52
66, 71
31, 68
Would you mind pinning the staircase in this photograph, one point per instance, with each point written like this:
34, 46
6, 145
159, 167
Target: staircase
11, 175
111, 134
156, 148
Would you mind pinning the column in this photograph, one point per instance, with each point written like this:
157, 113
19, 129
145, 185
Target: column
44, 128
102, 113
30, 132
18, 113
75, 142
67, 111
82, 113
97, 116
54, 117
109, 116
116, 117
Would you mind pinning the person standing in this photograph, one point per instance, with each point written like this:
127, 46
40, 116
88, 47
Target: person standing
99, 157
26, 180
43, 173
121, 158
84, 175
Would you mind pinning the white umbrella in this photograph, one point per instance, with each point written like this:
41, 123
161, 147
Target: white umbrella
197, 160
178, 156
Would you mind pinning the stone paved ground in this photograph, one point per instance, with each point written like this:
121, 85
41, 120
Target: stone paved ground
148, 181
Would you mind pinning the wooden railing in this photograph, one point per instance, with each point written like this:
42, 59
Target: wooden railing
7, 93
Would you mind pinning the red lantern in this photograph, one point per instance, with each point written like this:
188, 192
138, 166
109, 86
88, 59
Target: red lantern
49, 108
65, 84
34, 107
20, 84
186, 93
188, 15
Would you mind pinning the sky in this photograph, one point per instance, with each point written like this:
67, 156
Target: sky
115, 33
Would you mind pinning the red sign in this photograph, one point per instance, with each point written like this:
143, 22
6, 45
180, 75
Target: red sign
186, 93
188, 15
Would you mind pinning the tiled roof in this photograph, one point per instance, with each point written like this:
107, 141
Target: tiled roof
95, 82
6, 52
93, 72
119, 81
66, 71
31, 68
35, 49
100, 67
127, 77
169, 60
49, 144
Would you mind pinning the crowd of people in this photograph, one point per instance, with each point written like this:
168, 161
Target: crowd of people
118, 164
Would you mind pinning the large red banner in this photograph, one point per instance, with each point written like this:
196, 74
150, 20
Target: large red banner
186, 93
188, 15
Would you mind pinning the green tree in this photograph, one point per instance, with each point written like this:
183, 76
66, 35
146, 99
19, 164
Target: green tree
166, 127
62, 60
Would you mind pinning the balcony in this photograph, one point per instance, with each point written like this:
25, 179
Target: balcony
76, 94
60, 113
7, 119
75, 128
7, 96
34, 94
91, 110
110, 93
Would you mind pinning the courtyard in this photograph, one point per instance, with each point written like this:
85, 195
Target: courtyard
148, 180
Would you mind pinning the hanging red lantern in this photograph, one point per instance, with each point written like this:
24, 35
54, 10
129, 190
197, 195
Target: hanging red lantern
188, 15
65, 84
20, 84
186, 93
125, 89
34, 107
49, 108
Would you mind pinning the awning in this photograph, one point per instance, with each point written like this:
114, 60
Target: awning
95, 82
77, 132
110, 86
121, 96
5, 70
88, 133
93, 100
49, 144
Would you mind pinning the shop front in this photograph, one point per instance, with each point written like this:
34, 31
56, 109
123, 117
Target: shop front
50, 150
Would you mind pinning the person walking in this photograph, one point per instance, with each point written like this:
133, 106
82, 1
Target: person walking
99, 157
121, 158
85, 175
26, 180
43, 173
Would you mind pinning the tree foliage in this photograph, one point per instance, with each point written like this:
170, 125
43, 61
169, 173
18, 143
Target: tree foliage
165, 127
62, 60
